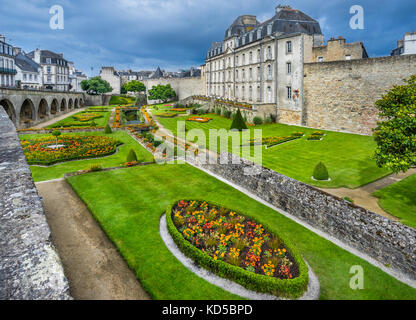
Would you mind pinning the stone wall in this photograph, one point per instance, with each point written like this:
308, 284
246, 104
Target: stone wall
30, 268
387, 241
184, 87
341, 95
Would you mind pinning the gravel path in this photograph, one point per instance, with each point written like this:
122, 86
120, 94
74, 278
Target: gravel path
363, 196
58, 118
93, 266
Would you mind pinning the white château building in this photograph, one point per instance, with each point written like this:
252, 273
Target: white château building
262, 64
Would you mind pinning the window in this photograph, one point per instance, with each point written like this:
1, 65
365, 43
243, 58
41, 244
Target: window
251, 57
269, 29
269, 52
24, 76
244, 74
48, 60
320, 59
48, 70
244, 59
236, 75
289, 47
289, 93
250, 93
348, 57
259, 33
258, 55
258, 73
251, 37
269, 71
289, 68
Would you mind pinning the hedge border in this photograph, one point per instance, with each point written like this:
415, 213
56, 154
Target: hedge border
48, 164
286, 288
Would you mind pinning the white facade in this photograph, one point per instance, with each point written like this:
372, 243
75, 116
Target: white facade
7, 64
75, 78
110, 75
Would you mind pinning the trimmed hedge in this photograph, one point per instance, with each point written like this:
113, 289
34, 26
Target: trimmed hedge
238, 122
321, 172
287, 288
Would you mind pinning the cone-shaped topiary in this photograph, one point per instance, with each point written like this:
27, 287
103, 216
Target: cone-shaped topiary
238, 122
107, 129
320, 172
131, 157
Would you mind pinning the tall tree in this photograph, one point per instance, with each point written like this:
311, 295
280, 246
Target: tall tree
96, 86
396, 133
134, 86
162, 92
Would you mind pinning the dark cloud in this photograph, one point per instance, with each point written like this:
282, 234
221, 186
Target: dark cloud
143, 34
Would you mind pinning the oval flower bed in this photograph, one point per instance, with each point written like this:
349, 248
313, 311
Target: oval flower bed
199, 119
40, 151
238, 248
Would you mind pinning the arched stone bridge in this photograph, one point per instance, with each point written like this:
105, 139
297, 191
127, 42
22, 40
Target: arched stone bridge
29, 107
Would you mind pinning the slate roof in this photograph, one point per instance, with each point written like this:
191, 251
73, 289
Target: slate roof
48, 54
286, 21
26, 64
158, 74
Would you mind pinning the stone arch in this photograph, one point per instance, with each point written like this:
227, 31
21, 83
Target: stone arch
81, 102
70, 103
9, 108
43, 109
63, 105
76, 103
54, 106
27, 111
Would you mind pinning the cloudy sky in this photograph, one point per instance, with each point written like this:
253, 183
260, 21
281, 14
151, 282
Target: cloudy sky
142, 34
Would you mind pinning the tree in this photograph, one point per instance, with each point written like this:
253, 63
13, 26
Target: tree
238, 122
134, 86
395, 135
107, 129
96, 86
162, 92
56, 134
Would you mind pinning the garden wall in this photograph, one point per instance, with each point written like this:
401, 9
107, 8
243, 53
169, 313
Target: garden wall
340, 95
184, 87
387, 241
30, 268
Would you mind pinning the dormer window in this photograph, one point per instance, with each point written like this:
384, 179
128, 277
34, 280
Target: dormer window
269, 29
251, 36
244, 40
259, 33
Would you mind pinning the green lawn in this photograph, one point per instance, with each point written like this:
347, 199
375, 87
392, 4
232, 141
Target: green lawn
101, 122
399, 200
118, 159
348, 157
128, 204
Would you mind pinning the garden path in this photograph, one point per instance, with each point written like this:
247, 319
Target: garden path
59, 118
93, 266
363, 196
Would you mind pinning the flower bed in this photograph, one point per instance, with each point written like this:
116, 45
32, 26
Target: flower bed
167, 115
179, 109
317, 135
273, 141
38, 151
235, 104
199, 119
86, 116
236, 247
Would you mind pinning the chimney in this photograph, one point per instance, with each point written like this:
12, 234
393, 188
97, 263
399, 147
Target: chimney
2, 38
36, 56
281, 7
400, 43
17, 50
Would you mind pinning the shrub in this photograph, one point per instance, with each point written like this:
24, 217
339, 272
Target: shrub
320, 172
273, 118
257, 121
95, 168
131, 157
348, 199
238, 122
218, 111
107, 129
